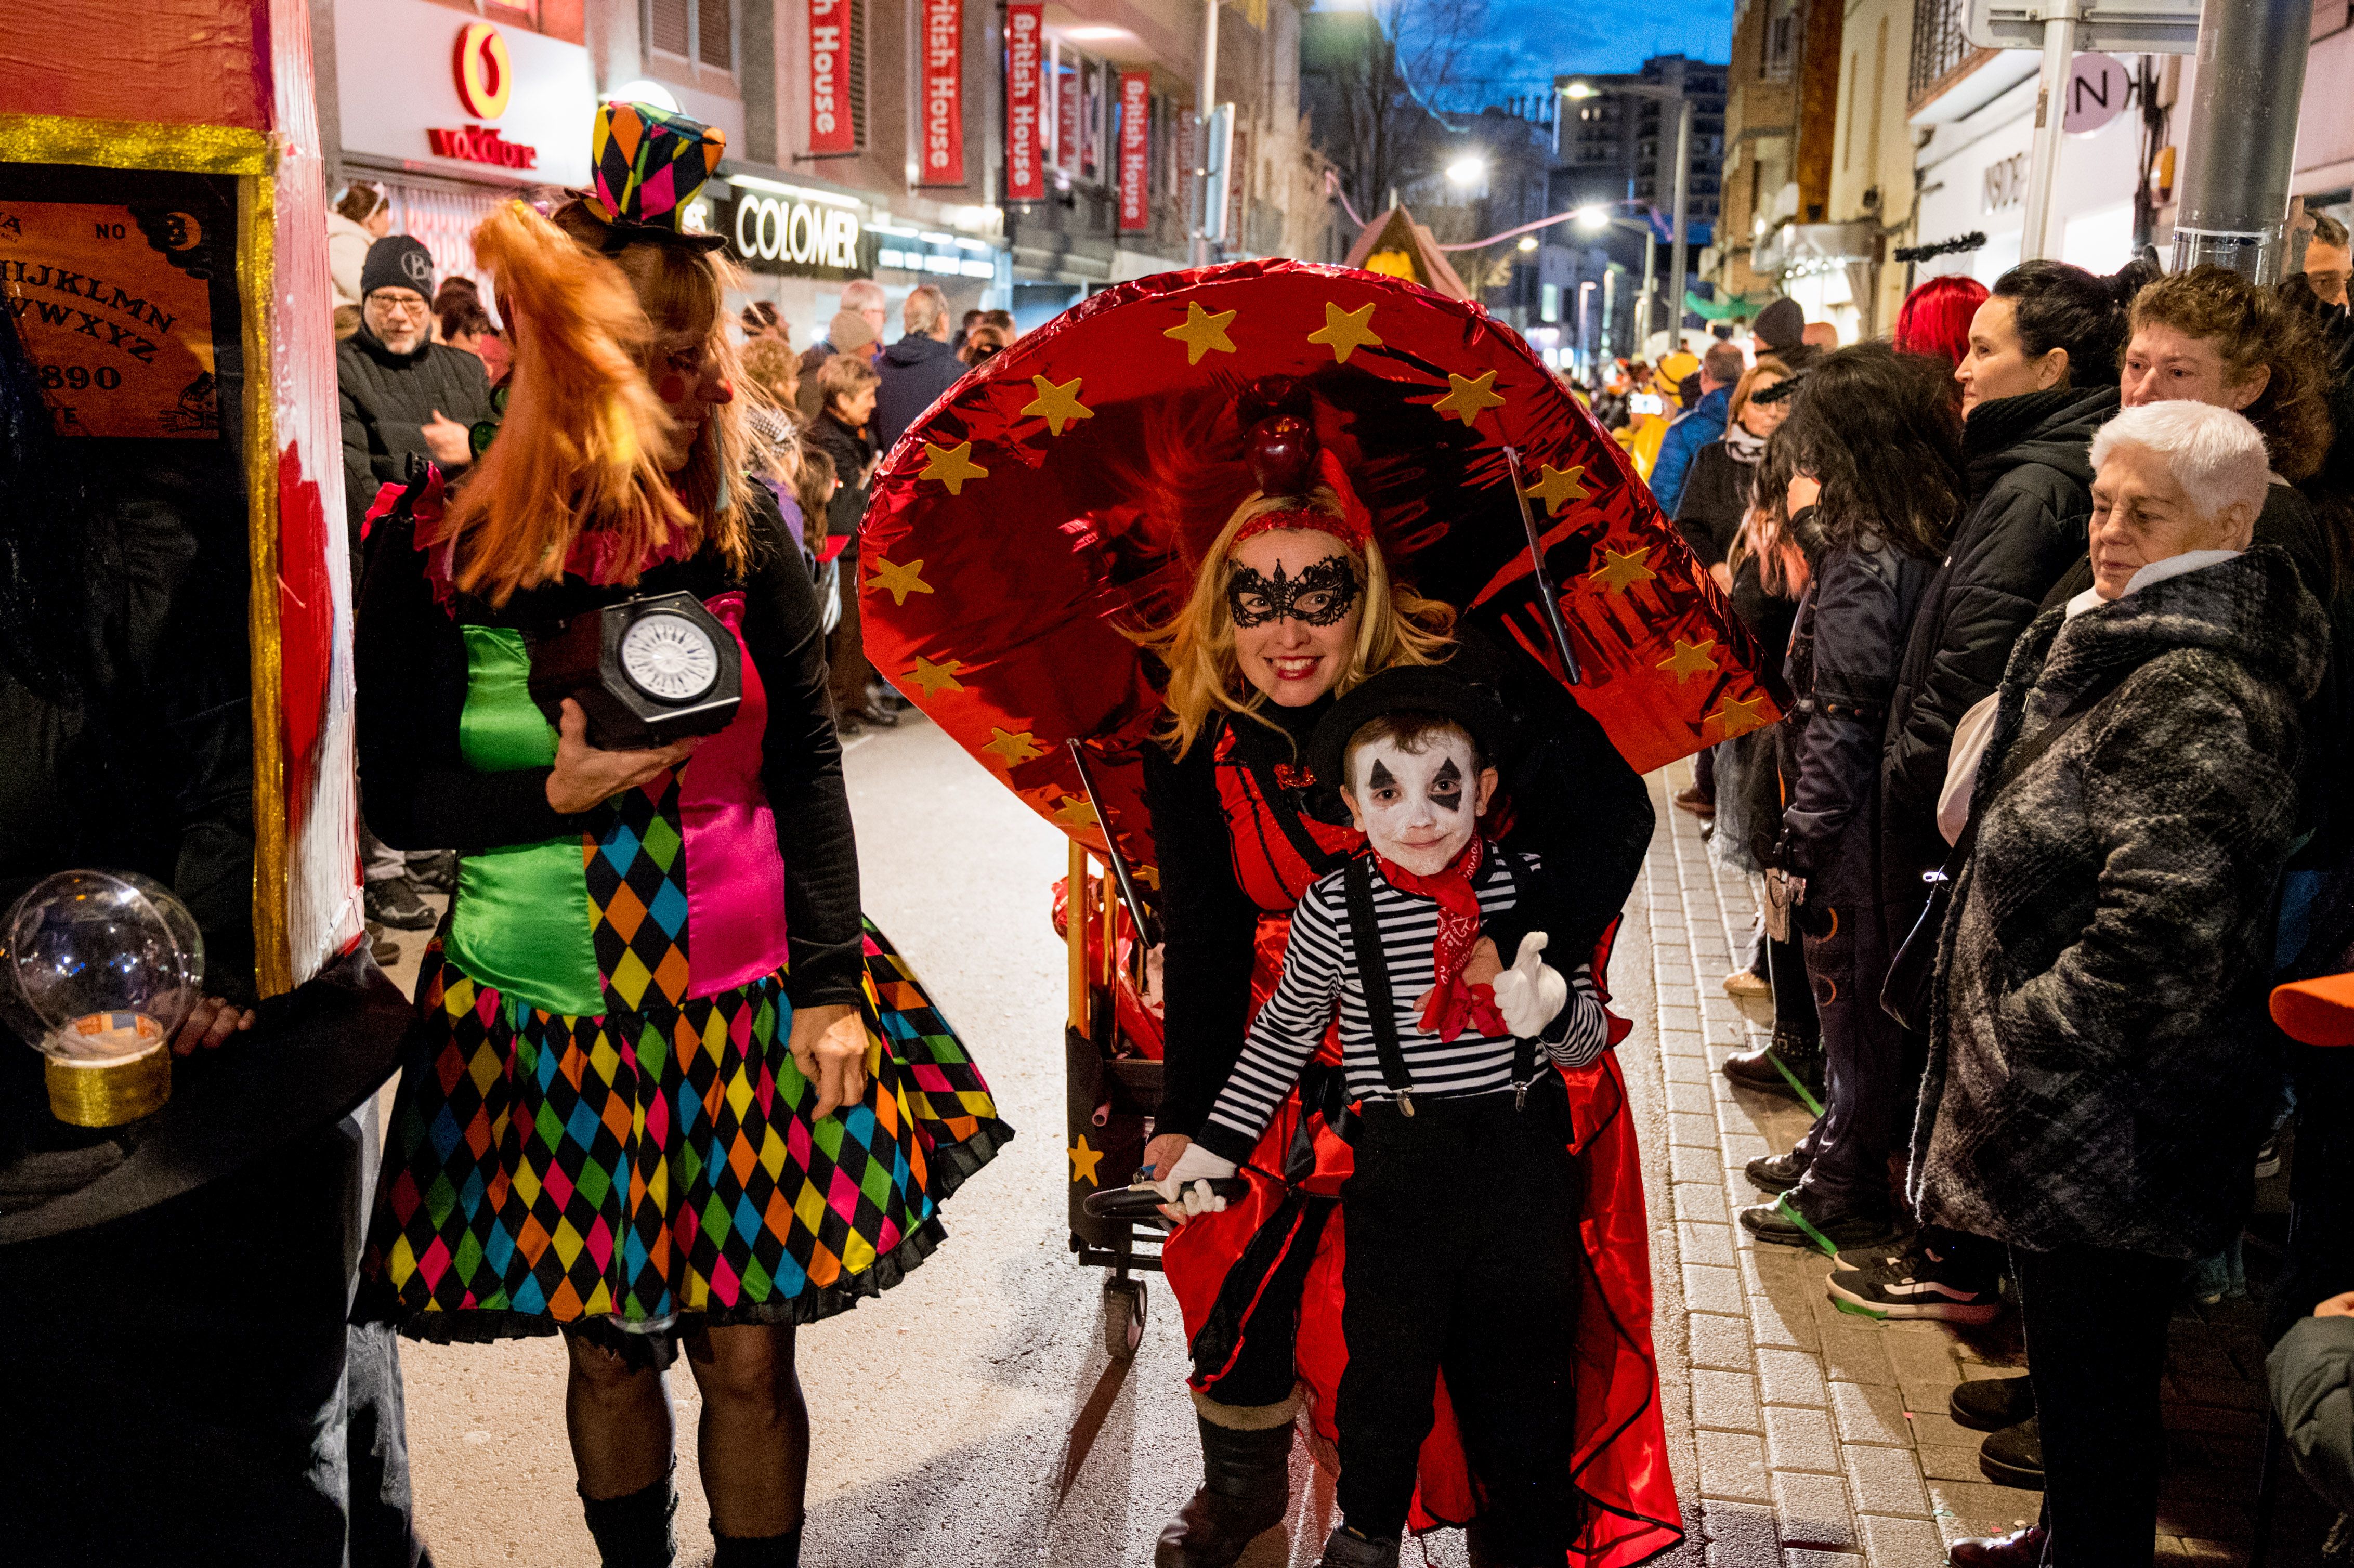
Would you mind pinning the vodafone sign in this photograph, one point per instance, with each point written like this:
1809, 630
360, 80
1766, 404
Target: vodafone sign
485, 76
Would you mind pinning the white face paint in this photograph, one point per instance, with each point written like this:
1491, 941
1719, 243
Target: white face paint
1418, 807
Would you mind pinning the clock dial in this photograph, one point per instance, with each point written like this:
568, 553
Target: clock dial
669, 658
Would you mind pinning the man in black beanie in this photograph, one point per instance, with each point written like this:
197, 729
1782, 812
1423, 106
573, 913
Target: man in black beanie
1780, 331
402, 393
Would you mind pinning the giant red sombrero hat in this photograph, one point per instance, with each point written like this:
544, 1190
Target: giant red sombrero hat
1060, 497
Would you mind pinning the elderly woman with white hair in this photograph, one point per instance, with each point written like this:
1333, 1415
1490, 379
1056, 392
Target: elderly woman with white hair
2098, 1080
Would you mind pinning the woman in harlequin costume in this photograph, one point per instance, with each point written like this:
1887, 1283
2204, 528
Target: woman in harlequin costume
1291, 607
664, 1091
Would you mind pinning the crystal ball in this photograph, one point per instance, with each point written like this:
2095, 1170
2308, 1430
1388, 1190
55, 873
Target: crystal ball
98, 966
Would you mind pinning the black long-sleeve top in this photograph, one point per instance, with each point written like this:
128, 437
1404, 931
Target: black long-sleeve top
1575, 802
419, 793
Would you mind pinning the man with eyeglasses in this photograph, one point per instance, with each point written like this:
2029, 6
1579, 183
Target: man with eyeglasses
402, 393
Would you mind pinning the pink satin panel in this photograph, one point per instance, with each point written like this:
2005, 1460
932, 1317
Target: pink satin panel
735, 877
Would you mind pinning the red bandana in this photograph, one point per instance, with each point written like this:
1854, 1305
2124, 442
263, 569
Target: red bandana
1453, 1005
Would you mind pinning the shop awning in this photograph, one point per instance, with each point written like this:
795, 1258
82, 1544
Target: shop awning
1817, 245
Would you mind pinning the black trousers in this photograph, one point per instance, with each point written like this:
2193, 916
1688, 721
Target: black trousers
1463, 1257
2095, 1324
1871, 1086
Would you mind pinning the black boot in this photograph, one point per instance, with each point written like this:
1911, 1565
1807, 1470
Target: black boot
1758, 1070
1245, 1491
757, 1550
1347, 1549
634, 1532
1777, 1173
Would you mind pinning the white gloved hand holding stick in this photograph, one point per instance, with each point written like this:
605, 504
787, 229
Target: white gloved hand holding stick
1187, 1184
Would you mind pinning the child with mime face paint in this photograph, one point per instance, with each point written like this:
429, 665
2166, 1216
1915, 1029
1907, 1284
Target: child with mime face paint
1464, 1253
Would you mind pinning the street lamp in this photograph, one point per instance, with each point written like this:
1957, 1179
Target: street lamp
1594, 219
1581, 90
1468, 170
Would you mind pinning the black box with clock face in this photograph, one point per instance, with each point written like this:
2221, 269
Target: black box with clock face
647, 671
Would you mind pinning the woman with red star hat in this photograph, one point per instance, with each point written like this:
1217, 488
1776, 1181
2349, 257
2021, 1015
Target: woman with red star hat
1292, 607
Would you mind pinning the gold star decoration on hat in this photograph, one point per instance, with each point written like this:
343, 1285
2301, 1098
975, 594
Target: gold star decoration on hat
1738, 715
951, 466
1012, 746
1346, 332
1058, 406
1690, 659
1555, 486
1149, 875
1202, 332
896, 580
1620, 568
936, 678
1076, 812
1468, 397
1084, 1161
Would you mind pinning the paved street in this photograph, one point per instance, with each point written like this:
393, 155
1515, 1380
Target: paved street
971, 1415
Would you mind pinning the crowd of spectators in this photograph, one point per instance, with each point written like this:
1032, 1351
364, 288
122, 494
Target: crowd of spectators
2054, 578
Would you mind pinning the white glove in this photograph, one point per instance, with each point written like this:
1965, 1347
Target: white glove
1188, 1181
1532, 994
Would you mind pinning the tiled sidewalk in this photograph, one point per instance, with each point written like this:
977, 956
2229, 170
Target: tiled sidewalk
1823, 1439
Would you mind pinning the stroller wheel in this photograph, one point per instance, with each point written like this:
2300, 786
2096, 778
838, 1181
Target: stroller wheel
1123, 1317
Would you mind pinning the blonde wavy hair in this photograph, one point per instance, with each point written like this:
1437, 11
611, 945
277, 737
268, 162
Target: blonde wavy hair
1395, 626
581, 446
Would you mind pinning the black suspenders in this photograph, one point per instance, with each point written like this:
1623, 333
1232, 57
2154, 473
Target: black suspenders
1381, 1007
1373, 974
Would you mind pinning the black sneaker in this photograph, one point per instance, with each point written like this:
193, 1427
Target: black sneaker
1916, 1283
436, 873
847, 724
878, 715
1346, 1549
1785, 1223
1992, 1403
1777, 1173
2268, 1159
2014, 1456
393, 902
1764, 1069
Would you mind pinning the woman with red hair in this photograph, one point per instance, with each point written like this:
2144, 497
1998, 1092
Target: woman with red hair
1936, 317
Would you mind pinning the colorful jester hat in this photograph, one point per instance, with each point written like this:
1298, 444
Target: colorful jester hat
649, 163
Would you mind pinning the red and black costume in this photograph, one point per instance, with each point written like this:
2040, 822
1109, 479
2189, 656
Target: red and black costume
1242, 833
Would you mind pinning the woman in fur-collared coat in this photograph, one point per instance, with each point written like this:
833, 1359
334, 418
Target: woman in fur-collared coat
2098, 1076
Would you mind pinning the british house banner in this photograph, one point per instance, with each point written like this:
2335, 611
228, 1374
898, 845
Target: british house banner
1135, 150
1025, 170
833, 127
943, 98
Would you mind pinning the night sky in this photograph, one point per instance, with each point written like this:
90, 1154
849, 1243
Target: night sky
1528, 41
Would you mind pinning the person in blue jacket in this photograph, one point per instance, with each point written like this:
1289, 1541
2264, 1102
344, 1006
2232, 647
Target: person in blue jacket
1720, 369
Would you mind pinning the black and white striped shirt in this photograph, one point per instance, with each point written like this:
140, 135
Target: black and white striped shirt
1319, 974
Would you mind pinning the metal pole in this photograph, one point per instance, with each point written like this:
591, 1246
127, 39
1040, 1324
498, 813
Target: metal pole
1651, 283
2242, 141
1203, 104
1609, 303
2050, 108
1677, 263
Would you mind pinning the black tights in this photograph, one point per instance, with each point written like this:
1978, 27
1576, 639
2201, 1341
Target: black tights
752, 1442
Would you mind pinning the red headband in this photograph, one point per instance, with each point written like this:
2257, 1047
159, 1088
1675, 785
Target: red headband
1354, 526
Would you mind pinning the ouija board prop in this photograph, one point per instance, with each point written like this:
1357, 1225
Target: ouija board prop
123, 287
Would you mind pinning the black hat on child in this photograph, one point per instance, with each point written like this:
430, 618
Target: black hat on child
1409, 688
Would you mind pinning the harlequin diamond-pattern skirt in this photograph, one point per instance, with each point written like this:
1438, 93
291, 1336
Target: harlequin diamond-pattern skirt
644, 1167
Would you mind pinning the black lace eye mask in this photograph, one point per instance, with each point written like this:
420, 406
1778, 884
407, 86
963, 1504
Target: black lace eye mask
1321, 595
